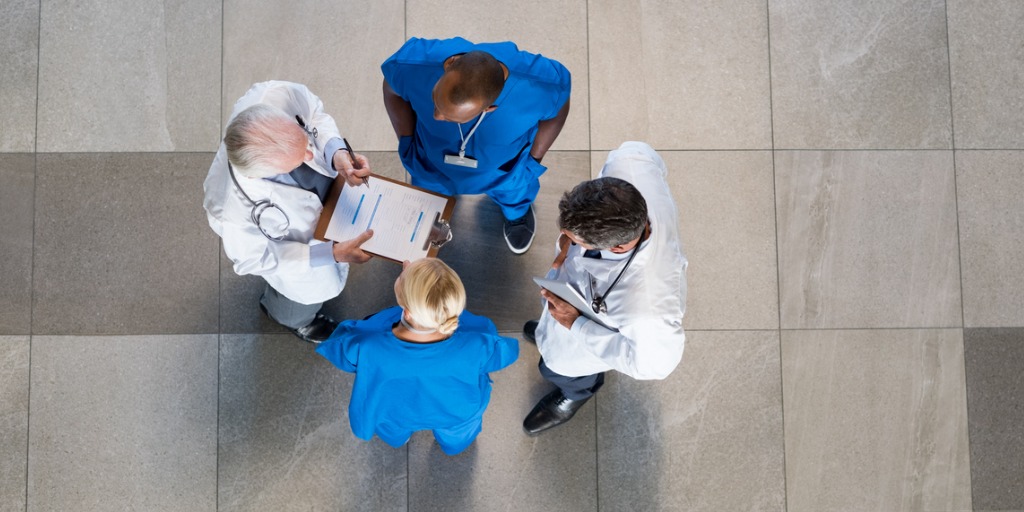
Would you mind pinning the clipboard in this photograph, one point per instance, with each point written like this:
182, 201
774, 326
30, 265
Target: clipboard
408, 222
569, 294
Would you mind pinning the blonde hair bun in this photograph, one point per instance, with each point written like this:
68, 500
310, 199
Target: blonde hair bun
432, 294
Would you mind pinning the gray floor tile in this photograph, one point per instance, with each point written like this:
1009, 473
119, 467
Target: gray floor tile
875, 420
707, 438
989, 190
145, 78
498, 283
123, 423
995, 406
14, 361
874, 75
557, 30
987, 69
867, 239
336, 52
680, 75
19, 58
285, 441
504, 469
17, 173
131, 252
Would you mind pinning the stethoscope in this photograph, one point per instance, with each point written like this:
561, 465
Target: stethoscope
598, 304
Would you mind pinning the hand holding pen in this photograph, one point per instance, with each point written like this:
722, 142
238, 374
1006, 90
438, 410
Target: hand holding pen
357, 163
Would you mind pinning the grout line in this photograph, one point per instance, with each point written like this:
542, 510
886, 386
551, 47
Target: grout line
220, 242
32, 259
590, 175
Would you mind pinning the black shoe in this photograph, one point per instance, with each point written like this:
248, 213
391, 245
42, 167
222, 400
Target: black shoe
530, 331
519, 232
552, 410
316, 332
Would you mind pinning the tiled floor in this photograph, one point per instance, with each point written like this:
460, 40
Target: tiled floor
849, 177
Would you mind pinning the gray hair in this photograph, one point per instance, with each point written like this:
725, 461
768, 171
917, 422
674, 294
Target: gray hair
603, 213
257, 139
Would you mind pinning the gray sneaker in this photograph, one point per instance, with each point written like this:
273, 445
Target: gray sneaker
519, 232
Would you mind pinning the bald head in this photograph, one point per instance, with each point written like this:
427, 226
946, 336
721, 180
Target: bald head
471, 84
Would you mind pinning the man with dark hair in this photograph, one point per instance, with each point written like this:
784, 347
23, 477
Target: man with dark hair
434, 87
619, 248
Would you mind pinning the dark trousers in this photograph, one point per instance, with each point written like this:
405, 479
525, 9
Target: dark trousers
574, 388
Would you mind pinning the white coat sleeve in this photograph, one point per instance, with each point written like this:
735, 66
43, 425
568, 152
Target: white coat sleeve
254, 254
648, 348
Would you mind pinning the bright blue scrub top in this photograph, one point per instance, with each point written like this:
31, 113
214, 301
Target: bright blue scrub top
417, 386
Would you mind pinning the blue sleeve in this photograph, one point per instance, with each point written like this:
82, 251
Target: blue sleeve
504, 351
342, 348
564, 87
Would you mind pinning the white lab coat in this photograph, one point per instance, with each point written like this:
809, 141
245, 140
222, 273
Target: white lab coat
283, 264
645, 308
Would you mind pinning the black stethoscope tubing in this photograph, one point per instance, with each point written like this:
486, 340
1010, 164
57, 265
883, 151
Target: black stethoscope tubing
597, 304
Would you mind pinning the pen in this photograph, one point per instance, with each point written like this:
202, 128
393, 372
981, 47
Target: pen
352, 155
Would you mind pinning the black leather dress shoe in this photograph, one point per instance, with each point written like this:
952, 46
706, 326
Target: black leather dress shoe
317, 331
530, 331
551, 411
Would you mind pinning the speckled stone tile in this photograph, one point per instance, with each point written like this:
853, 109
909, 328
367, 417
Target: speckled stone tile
336, 51
17, 173
867, 239
285, 441
991, 216
129, 76
995, 407
680, 75
986, 51
875, 420
14, 359
504, 469
122, 245
19, 58
870, 75
123, 423
709, 437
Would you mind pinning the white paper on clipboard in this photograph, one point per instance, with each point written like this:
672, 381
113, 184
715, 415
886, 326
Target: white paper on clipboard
570, 295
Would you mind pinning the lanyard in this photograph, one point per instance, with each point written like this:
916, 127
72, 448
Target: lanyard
465, 140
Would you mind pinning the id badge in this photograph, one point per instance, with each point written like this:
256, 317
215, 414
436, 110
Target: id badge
461, 161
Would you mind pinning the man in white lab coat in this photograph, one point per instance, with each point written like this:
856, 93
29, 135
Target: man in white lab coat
264, 194
619, 248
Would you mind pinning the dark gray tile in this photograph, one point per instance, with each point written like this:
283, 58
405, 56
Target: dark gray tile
709, 437
123, 423
504, 469
995, 416
14, 360
17, 173
122, 245
19, 58
285, 441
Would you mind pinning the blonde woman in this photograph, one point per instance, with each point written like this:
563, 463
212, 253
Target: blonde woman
422, 365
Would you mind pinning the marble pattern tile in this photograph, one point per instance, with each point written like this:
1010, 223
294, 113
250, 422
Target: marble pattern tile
680, 75
989, 189
19, 58
875, 420
995, 407
504, 469
17, 196
870, 75
867, 239
129, 76
709, 437
285, 441
131, 253
336, 52
557, 30
14, 361
123, 423
987, 70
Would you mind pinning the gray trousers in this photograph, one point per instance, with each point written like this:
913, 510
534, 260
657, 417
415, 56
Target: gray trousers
287, 312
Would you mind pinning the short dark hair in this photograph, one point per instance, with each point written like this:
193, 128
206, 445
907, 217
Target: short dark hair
603, 213
480, 77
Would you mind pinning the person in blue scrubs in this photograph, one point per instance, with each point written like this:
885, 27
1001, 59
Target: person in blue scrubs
422, 365
477, 119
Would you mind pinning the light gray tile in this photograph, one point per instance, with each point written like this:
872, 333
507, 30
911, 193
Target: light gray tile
123, 423
987, 68
504, 469
336, 51
17, 173
875, 420
498, 283
709, 437
129, 76
285, 441
995, 407
557, 30
14, 360
991, 216
867, 239
680, 75
870, 75
19, 58
122, 245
